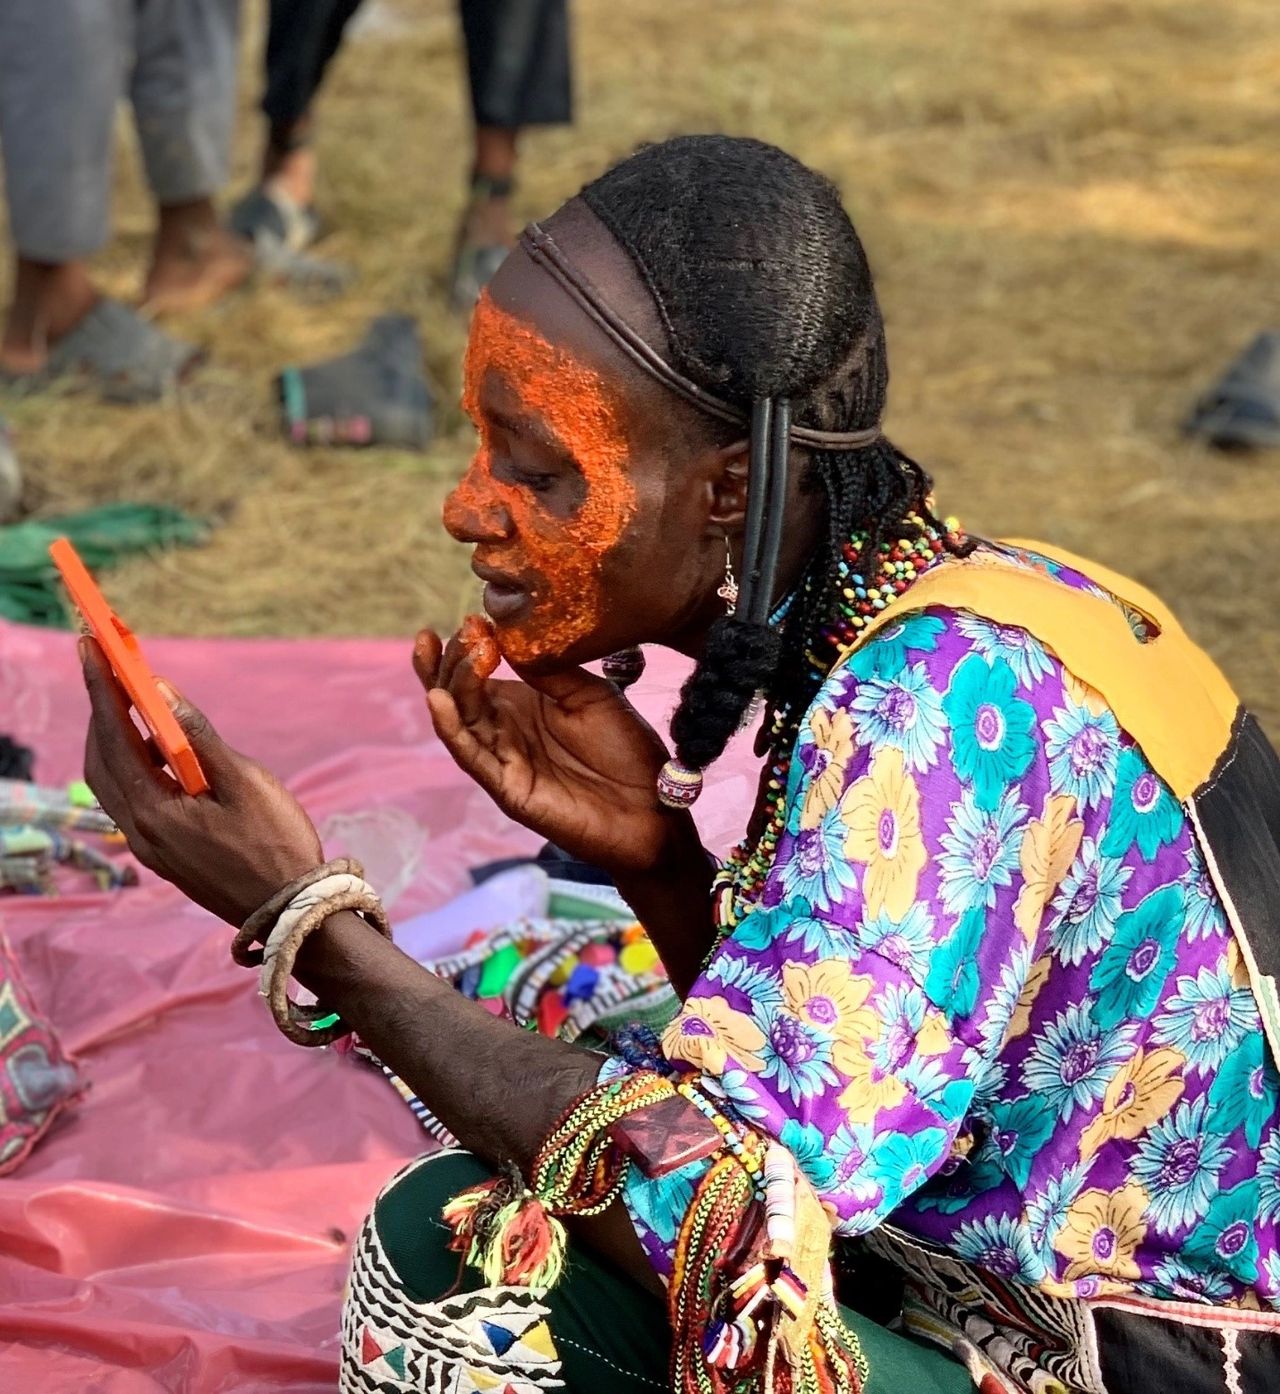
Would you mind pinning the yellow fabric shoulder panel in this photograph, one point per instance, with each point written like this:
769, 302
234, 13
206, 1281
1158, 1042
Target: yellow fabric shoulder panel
1167, 693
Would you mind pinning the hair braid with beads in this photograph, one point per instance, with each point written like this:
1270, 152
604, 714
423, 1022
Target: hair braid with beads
764, 290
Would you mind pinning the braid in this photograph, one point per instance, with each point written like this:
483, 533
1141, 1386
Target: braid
763, 289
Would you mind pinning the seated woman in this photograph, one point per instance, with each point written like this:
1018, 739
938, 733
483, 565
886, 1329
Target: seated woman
984, 999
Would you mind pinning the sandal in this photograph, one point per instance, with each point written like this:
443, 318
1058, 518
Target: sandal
280, 231
375, 395
267, 215
129, 359
1243, 408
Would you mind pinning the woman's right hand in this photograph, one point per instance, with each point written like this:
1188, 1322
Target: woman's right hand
565, 754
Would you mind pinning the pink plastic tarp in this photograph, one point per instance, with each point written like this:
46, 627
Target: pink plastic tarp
186, 1228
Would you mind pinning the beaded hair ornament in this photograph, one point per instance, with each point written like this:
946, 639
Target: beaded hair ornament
772, 433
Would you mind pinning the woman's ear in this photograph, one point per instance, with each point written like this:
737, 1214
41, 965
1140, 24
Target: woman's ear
729, 466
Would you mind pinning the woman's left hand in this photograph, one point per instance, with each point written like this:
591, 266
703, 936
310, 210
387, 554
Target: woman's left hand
229, 850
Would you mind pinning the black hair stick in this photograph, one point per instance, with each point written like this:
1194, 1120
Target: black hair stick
757, 498
775, 511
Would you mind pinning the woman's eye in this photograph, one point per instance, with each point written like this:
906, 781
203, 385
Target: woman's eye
539, 482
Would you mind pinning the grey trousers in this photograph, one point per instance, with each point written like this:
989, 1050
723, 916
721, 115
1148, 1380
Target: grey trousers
65, 64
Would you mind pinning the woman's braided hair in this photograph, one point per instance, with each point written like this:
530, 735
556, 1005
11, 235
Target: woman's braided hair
763, 290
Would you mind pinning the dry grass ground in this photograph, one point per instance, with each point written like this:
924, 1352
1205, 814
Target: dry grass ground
1072, 206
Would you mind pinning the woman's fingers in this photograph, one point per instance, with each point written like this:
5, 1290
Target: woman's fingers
454, 652
120, 752
216, 757
461, 742
470, 692
427, 653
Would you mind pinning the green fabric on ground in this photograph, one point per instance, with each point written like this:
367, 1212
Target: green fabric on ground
30, 591
610, 1333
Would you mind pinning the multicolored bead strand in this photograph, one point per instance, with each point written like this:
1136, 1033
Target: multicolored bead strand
741, 879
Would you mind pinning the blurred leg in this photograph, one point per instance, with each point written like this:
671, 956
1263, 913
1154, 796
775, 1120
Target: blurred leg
302, 38
183, 92
518, 72
61, 72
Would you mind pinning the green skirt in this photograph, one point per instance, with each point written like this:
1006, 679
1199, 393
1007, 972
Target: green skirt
415, 1320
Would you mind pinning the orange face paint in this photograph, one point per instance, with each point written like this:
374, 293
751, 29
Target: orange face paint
556, 556
477, 638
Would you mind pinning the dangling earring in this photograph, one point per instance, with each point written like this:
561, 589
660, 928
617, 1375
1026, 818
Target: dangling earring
624, 667
728, 591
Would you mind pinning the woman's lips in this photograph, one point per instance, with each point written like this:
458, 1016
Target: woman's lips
504, 602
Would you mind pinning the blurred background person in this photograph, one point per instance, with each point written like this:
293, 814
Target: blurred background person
64, 64
518, 73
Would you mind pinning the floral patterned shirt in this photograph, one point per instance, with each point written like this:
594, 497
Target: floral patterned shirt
989, 991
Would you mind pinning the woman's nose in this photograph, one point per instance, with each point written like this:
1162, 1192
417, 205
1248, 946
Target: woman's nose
475, 512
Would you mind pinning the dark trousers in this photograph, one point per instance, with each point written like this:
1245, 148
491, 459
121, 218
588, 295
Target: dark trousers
518, 65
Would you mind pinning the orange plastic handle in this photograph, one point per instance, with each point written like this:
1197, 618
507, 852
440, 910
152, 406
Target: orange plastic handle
131, 669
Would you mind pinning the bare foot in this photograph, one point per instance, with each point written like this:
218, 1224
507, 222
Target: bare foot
195, 263
49, 300
293, 174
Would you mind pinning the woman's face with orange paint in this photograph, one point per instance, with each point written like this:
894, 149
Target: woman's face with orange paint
586, 504
548, 496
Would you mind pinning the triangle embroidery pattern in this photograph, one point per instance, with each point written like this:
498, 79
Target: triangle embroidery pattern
370, 1350
499, 1337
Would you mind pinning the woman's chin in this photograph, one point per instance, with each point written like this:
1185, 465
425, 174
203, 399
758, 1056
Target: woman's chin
535, 650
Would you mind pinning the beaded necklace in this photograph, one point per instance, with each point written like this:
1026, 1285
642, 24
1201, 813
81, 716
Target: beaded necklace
741, 879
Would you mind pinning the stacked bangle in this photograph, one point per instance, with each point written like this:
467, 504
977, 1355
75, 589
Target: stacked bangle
291, 915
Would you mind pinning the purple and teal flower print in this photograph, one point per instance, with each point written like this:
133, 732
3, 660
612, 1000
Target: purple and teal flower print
953, 979
1024, 653
1245, 1092
1205, 918
796, 1056
740, 1093
903, 712
1207, 1018
1226, 1240
1178, 1163
808, 1146
1073, 1059
1088, 903
1048, 1207
1018, 1129
821, 938
902, 1162
817, 867
906, 943
1176, 1278
886, 652
901, 1010
1269, 1287
1083, 747
980, 851
1002, 1000
849, 1150
991, 740
1269, 1179
1131, 973
1143, 810
662, 1202
1002, 1245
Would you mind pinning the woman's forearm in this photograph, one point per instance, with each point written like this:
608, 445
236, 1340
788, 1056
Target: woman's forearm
674, 905
499, 1090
